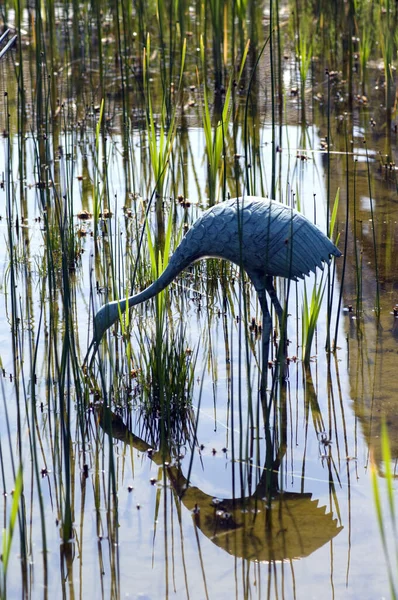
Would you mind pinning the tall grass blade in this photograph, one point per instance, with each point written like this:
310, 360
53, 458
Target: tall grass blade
8, 533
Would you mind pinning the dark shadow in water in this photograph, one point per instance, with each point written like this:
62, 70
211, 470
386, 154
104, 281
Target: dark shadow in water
269, 525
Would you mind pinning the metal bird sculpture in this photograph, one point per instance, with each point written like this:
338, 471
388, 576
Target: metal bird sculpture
6, 44
266, 238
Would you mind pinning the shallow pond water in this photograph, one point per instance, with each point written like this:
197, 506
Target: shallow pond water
159, 471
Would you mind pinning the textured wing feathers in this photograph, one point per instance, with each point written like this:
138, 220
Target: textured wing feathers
260, 235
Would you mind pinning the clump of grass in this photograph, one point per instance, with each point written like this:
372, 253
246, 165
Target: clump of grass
310, 314
166, 375
215, 137
160, 137
160, 134
311, 309
304, 49
166, 378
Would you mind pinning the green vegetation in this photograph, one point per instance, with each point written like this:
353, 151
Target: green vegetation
386, 518
121, 121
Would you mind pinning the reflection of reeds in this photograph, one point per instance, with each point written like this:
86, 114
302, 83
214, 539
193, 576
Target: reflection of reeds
372, 216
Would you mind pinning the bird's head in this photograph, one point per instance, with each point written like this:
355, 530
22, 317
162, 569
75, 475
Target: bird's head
105, 317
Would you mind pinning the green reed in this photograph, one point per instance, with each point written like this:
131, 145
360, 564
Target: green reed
63, 351
171, 19
387, 35
273, 95
251, 126
311, 308
310, 314
166, 378
357, 250
97, 180
8, 533
160, 134
346, 236
216, 10
390, 555
372, 216
21, 342
159, 261
125, 43
240, 8
160, 138
52, 45
215, 137
304, 52
366, 40
328, 205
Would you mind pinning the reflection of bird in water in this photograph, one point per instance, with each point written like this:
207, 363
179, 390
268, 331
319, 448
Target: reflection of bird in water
264, 237
283, 526
268, 525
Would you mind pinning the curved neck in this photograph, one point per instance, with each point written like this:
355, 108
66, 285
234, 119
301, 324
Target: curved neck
169, 274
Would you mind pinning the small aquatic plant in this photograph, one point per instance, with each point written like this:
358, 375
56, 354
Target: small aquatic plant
311, 309
310, 314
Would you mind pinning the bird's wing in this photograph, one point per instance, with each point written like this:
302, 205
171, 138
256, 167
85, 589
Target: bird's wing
259, 235
280, 241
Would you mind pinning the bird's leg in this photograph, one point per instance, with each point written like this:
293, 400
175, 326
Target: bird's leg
267, 323
269, 286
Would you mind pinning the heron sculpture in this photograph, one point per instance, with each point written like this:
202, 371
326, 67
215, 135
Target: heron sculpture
264, 237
